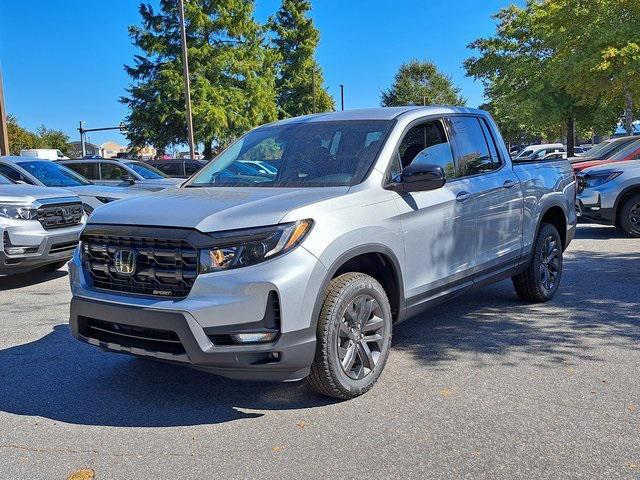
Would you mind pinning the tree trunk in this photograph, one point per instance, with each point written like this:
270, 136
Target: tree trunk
208, 151
628, 112
571, 136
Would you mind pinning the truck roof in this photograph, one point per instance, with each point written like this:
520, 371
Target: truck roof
382, 113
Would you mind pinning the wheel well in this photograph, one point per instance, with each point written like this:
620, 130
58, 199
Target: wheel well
555, 216
623, 198
380, 267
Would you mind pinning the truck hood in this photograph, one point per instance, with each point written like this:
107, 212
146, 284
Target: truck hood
212, 209
105, 191
30, 193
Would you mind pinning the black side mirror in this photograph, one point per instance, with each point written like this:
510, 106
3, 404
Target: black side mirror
129, 179
419, 178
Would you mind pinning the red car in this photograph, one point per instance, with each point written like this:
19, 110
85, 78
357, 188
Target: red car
614, 150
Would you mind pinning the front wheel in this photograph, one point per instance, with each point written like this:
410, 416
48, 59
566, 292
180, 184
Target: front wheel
353, 338
630, 216
540, 281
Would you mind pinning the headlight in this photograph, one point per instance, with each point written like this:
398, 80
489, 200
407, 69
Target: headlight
106, 199
241, 248
595, 180
18, 212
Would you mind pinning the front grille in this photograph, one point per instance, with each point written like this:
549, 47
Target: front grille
63, 247
150, 339
60, 215
164, 267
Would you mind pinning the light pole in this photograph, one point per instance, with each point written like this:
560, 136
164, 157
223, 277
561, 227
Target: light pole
187, 87
4, 132
342, 96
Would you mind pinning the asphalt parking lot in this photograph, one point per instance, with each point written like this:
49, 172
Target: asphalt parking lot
481, 387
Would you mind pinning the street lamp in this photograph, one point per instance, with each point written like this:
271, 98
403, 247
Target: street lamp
187, 87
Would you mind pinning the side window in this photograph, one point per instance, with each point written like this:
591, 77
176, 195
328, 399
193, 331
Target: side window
425, 144
87, 170
109, 171
14, 174
470, 147
491, 141
191, 168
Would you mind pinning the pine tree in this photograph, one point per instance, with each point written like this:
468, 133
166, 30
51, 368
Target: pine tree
232, 74
299, 81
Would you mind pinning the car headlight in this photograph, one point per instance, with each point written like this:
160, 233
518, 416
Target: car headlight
241, 248
18, 212
595, 180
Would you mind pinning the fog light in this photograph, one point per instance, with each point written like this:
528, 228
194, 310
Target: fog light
16, 250
260, 337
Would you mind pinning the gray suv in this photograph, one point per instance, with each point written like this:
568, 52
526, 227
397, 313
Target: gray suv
372, 216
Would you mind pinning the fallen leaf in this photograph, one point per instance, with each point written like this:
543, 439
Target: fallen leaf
632, 408
301, 424
82, 474
277, 449
633, 465
571, 370
445, 392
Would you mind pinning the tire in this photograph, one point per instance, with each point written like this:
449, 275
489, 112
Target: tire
540, 281
52, 267
346, 351
630, 216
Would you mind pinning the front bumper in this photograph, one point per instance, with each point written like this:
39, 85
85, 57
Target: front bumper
589, 206
287, 359
42, 247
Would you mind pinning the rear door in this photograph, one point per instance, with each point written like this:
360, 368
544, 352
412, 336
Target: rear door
494, 190
88, 170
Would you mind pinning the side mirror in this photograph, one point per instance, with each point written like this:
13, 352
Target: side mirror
419, 178
129, 179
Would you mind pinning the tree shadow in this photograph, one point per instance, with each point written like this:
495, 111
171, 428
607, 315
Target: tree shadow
594, 231
598, 305
35, 277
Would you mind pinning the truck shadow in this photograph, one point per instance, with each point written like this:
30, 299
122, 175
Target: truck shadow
59, 378
13, 282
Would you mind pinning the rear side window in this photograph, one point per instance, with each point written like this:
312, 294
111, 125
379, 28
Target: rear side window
191, 168
112, 172
88, 170
170, 168
491, 141
471, 151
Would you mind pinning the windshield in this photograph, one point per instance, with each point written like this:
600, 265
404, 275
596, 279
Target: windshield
146, 171
314, 154
4, 180
52, 174
606, 149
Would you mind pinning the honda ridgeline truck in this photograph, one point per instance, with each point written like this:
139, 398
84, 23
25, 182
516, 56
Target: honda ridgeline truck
372, 216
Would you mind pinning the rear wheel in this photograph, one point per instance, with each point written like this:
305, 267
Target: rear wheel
540, 281
630, 216
354, 337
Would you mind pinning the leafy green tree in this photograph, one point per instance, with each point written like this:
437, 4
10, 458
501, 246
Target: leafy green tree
231, 71
420, 83
19, 137
50, 138
597, 49
299, 81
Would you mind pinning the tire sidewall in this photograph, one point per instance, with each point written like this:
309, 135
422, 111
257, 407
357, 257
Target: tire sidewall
626, 213
545, 231
359, 286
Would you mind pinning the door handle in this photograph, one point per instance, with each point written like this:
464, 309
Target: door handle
509, 184
463, 196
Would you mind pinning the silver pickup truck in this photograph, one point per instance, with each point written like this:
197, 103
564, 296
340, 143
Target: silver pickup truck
39, 227
372, 216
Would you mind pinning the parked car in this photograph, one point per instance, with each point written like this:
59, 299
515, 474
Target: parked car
45, 173
610, 194
580, 150
555, 156
629, 152
537, 152
39, 227
178, 168
43, 153
121, 173
604, 149
373, 216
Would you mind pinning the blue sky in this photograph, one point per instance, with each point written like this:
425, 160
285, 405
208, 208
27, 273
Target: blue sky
63, 61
